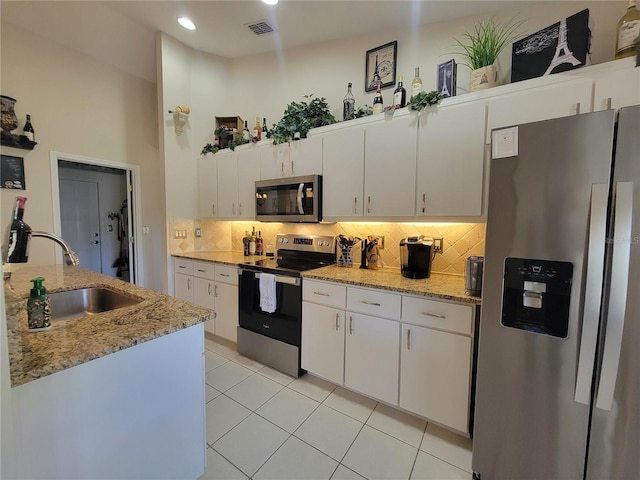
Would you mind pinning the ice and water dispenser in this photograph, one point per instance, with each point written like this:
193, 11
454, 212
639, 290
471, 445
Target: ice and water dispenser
536, 295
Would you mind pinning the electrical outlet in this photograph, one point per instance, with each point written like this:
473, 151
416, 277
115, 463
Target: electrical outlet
438, 245
179, 234
145, 230
198, 232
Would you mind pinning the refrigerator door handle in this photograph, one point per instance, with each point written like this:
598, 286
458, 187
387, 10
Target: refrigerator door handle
593, 291
617, 295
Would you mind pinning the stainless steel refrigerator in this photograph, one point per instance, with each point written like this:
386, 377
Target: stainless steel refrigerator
558, 381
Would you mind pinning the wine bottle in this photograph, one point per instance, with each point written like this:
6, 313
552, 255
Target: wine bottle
416, 84
252, 242
259, 244
628, 30
399, 95
246, 134
265, 130
19, 235
28, 131
257, 130
377, 100
348, 104
245, 242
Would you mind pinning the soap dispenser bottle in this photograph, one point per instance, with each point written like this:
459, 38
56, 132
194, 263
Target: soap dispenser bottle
38, 307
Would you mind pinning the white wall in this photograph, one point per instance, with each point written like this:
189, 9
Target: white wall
83, 107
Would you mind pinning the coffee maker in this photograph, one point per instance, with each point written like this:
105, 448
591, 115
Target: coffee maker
416, 255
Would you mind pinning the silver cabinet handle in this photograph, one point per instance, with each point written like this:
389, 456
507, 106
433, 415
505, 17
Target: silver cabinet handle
292, 167
209, 289
350, 325
437, 315
213, 208
239, 209
188, 284
181, 266
355, 205
577, 108
367, 302
223, 274
215, 290
607, 103
282, 168
593, 287
200, 270
337, 322
618, 294
408, 339
424, 202
233, 208
322, 294
369, 204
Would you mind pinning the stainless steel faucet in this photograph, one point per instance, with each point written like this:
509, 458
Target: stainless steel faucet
71, 257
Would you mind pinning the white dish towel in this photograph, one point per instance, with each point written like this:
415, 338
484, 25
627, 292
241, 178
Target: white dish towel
268, 292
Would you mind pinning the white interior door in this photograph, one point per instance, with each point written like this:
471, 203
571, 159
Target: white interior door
79, 216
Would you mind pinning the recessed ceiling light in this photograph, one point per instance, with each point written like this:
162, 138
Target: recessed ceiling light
270, 2
186, 23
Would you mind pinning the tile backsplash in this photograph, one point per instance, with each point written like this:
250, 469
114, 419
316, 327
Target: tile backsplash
460, 239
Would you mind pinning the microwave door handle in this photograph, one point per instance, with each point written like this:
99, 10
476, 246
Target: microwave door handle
618, 294
593, 289
300, 190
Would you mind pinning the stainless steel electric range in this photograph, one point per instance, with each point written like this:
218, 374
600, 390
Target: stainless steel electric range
272, 335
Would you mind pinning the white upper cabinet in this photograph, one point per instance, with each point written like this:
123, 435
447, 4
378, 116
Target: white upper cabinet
451, 161
274, 161
617, 88
248, 172
305, 157
208, 186
390, 167
552, 100
228, 185
343, 173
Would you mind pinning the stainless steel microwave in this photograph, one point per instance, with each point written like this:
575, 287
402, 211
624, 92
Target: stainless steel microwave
292, 199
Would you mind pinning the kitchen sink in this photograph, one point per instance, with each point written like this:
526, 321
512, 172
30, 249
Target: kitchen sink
87, 301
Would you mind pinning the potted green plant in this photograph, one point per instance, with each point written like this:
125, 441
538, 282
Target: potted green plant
300, 117
481, 47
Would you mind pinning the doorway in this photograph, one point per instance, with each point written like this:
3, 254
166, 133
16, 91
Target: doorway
97, 204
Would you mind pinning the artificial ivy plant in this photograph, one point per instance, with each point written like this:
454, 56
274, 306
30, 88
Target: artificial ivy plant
300, 117
424, 99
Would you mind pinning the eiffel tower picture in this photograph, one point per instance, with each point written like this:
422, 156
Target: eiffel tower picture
376, 76
563, 54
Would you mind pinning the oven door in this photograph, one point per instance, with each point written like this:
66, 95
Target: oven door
285, 323
294, 199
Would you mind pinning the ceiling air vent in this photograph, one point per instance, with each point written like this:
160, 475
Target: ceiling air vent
260, 27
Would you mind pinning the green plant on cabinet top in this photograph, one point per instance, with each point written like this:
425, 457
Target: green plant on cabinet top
300, 117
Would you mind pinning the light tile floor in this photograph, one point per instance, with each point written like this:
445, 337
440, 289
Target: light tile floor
262, 424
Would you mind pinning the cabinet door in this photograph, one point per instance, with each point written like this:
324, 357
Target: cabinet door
204, 295
183, 287
207, 186
617, 89
228, 186
451, 161
274, 161
435, 375
322, 347
226, 311
305, 156
390, 168
248, 162
555, 100
343, 173
371, 356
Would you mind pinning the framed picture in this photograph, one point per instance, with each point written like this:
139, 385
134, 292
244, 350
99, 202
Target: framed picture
381, 66
447, 78
12, 172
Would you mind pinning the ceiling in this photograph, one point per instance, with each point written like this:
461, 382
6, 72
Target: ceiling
123, 33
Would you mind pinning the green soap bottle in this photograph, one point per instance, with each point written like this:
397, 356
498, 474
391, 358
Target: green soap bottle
38, 307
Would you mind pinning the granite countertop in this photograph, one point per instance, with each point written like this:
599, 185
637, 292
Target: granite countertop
438, 285
68, 343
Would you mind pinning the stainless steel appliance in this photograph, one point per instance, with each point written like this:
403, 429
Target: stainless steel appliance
474, 266
558, 390
273, 338
292, 199
416, 255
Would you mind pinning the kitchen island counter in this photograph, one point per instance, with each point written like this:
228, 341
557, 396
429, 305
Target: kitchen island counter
439, 285
69, 343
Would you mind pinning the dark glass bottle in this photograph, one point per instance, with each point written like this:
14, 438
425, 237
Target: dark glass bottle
399, 95
377, 100
246, 134
19, 235
348, 104
259, 244
28, 131
265, 130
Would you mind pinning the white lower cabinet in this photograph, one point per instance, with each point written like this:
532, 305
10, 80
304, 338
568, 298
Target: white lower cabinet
322, 350
226, 310
372, 356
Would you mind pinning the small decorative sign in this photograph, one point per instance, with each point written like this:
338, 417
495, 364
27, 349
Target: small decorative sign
12, 172
381, 66
447, 78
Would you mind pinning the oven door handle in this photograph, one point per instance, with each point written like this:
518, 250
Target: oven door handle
300, 189
279, 278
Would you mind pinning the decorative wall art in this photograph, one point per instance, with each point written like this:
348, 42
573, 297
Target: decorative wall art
447, 78
12, 172
381, 66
